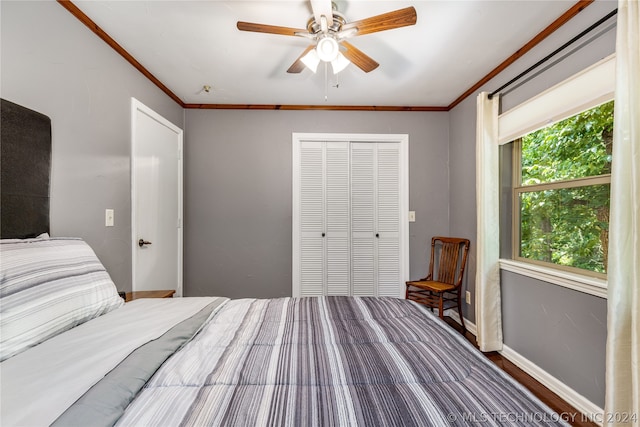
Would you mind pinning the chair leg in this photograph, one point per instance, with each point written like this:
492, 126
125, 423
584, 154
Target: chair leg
464, 328
441, 306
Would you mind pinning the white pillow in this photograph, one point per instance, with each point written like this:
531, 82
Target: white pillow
49, 285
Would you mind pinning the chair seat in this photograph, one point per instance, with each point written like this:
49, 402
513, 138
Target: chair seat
430, 285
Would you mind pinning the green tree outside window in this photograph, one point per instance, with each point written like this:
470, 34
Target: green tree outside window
564, 191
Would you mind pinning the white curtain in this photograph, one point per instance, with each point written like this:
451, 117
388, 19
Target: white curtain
622, 403
488, 306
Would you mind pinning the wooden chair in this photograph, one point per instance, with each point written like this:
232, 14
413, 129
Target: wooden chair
441, 288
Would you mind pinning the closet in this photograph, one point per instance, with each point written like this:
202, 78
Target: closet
350, 212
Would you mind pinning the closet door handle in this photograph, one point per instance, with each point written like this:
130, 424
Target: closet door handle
377, 234
323, 234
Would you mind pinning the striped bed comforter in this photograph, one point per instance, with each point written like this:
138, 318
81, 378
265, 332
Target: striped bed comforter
331, 361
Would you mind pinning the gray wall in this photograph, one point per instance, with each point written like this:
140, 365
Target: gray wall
582, 365
53, 64
238, 172
555, 337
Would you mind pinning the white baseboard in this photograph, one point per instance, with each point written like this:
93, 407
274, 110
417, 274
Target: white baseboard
589, 409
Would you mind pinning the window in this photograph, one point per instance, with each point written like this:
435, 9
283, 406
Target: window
561, 193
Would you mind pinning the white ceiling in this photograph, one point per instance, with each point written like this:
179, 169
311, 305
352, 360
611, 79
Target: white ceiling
188, 44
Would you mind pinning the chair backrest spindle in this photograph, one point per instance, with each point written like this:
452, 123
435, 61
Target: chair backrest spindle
451, 264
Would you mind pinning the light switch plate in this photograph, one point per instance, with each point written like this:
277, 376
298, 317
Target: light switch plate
467, 297
412, 216
108, 218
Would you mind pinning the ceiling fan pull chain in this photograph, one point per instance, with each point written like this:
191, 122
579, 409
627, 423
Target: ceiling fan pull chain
326, 83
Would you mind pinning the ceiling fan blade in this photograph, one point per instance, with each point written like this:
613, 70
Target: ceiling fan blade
270, 29
386, 21
298, 65
359, 58
322, 8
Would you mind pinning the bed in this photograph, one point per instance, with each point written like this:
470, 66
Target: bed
73, 353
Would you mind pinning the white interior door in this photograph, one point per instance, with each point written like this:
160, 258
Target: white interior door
350, 214
376, 218
388, 218
363, 218
156, 189
337, 248
311, 191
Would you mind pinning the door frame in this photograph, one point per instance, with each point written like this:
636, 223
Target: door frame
403, 140
137, 106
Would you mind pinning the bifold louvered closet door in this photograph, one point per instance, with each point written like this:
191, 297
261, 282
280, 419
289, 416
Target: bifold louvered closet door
347, 222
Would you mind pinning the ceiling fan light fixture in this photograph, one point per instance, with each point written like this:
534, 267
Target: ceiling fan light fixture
311, 60
329, 29
340, 63
327, 49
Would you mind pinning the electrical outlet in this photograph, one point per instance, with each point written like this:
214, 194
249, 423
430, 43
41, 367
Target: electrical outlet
412, 216
467, 297
108, 218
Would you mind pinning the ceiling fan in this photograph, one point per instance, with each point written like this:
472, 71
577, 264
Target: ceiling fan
328, 30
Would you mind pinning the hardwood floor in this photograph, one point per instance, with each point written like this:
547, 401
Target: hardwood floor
551, 399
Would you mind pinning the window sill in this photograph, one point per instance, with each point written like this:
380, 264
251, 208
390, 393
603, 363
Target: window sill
577, 282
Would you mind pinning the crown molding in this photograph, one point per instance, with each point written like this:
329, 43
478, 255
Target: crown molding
82, 17
560, 21
310, 107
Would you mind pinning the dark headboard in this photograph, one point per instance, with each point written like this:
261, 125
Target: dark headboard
25, 171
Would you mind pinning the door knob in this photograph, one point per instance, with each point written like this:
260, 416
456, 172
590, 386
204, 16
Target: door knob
143, 243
